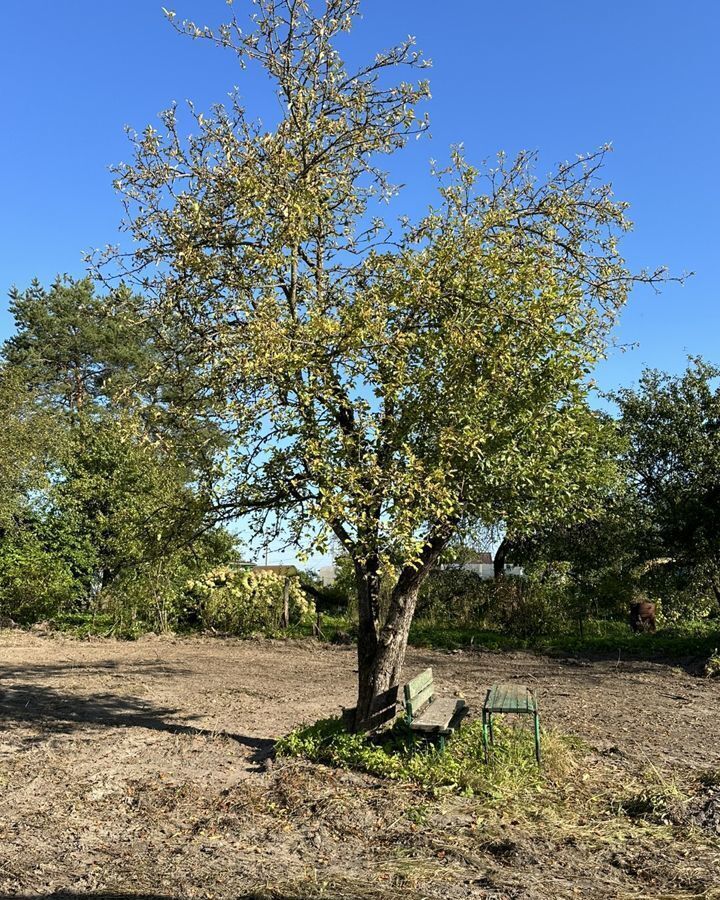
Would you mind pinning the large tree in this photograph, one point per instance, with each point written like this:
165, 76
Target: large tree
103, 479
380, 385
79, 354
71, 347
587, 483
672, 428
25, 441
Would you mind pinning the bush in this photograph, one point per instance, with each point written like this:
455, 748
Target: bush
146, 596
243, 602
685, 594
454, 594
34, 583
712, 666
526, 609
517, 606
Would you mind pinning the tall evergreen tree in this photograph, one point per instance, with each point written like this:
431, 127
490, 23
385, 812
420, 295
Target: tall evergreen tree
100, 477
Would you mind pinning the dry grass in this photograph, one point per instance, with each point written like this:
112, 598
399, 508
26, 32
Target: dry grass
136, 769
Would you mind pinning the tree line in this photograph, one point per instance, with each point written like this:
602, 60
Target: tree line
107, 492
657, 532
111, 501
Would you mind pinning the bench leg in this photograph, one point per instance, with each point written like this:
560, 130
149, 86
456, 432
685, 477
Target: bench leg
485, 734
442, 743
537, 738
492, 736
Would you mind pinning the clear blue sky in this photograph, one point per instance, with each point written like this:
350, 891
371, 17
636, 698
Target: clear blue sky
559, 76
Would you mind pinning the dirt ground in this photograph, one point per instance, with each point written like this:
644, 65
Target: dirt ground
144, 769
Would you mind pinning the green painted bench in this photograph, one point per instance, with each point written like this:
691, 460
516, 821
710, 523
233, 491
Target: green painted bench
429, 715
510, 698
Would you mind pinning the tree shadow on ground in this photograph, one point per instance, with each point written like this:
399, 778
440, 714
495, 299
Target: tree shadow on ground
59, 712
112, 895
113, 667
102, 895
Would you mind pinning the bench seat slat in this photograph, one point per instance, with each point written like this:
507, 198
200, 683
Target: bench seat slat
509, 698
441, 717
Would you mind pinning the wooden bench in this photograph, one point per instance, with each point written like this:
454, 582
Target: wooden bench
382, 711
510, 698
429, 715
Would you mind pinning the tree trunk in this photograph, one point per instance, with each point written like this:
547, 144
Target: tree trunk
716, 591
379, 671
381, 649
286, 605
367, 580
501, 555
381, 646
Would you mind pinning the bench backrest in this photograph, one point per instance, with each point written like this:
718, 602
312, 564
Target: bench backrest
383, 710
418, 693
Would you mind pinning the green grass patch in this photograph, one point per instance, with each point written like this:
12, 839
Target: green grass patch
461, 768
83, 625
676, 641
438, 636
599, 638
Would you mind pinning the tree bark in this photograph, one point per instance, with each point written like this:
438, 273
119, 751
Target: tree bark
367, 580
716, 591
501, 555
379, 668
381, 648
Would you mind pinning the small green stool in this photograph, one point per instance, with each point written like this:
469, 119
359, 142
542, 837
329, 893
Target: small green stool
509, 698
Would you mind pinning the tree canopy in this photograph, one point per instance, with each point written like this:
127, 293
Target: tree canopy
380, 384
672, 427
101, 488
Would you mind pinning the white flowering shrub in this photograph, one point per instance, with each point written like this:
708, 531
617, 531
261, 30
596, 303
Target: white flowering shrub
243, 602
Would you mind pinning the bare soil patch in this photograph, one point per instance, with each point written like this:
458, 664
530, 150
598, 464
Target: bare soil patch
144, 769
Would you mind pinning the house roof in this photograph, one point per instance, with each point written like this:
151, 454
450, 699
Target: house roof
476, 556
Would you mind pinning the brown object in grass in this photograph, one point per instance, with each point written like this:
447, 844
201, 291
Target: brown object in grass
642, 616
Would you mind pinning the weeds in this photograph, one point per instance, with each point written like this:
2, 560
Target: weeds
712, 666
658, 805
396, 754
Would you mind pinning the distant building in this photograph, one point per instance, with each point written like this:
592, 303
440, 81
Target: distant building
482, 564
483, 557
327, 574
242, 564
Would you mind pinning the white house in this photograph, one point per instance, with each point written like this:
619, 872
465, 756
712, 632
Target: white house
327, 574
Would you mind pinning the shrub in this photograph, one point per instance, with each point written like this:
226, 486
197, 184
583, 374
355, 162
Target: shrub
455, 595
243, 602
524, 608
521, 607
685, 594
34, 582
712, 666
